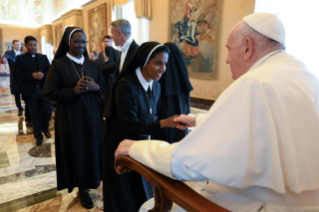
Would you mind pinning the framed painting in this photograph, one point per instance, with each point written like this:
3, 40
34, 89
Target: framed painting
194, 27
58, 34
9, 46
97, 27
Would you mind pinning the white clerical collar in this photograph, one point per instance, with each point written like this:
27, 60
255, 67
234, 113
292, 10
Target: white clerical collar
264, 58
76, 60
142, 80
16, 52
126, 45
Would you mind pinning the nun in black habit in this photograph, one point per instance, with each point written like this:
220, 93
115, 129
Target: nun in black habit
175, 93
76, 84
131, 113
109, 74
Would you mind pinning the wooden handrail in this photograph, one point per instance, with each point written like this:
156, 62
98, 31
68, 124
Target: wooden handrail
167, 190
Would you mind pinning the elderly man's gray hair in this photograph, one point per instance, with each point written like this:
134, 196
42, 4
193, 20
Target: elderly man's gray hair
123, 25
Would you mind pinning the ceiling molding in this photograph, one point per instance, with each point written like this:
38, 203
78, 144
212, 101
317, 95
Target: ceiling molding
46, 26
71, 13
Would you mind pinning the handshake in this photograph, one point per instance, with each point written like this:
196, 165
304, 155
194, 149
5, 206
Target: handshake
180, 122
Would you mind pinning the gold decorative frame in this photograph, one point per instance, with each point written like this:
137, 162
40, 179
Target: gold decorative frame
98, 29
58, 31
194, 67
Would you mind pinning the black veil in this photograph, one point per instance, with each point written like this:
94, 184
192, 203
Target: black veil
65, 43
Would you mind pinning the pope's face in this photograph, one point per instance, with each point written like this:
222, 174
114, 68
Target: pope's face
155, 67
235, 59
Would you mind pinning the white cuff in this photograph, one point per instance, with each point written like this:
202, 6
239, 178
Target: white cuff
199, 119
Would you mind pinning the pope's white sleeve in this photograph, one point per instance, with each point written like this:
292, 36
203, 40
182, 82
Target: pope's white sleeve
199, 119
154, 154
182, 172
157, 155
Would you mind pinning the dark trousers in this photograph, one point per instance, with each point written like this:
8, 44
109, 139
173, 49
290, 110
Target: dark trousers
27, 112
41, 112
18, 101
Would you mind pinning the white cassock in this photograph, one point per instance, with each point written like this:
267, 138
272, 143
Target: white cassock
258, 145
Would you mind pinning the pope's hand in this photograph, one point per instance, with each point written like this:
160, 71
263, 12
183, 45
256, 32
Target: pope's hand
5, 60
124, 147
187, 121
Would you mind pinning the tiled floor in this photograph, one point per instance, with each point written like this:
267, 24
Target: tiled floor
28, 172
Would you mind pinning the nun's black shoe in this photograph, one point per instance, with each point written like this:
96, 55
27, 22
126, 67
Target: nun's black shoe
39, 141
86, 200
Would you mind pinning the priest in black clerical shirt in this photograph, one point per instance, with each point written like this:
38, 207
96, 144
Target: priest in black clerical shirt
31, 72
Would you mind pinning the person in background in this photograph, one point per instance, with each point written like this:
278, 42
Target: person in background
107, 41
121, 35
54, 51
93, 56
10, 58
75, 82
175, 93
31, 71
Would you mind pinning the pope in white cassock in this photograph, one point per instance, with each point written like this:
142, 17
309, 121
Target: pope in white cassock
258, 146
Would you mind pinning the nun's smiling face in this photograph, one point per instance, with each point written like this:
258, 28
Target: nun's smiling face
155, 67
77, 44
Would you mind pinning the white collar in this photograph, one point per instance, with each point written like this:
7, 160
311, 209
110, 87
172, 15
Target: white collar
76, 60
264, 58
126, 45
16, 52
142, 80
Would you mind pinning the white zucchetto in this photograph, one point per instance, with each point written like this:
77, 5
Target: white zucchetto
268, 25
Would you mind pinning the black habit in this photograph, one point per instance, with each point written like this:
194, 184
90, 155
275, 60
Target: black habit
128, 117
175, 93
78, 119
78, 124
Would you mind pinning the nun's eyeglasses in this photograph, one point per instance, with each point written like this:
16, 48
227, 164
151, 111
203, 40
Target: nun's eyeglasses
78, 42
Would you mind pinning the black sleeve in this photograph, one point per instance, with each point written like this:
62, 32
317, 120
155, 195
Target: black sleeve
47, 65
100, 82
108, 70
6, 55
127, 111
53, 88
19, 74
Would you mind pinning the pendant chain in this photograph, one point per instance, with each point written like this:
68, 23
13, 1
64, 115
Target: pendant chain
82, 69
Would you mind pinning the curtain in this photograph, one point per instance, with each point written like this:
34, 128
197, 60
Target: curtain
300, 20
142, 7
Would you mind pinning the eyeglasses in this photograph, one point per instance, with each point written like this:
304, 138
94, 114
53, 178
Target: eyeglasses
78, 42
